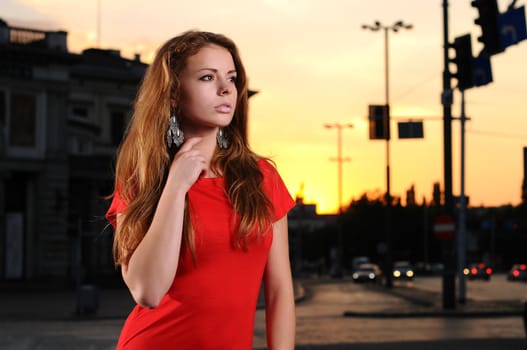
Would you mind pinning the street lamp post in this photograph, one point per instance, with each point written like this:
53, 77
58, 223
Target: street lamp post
395, 28
339, 160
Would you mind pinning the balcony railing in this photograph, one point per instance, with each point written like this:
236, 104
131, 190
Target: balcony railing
25, 36
55, 40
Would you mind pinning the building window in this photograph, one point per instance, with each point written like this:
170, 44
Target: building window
23, 123
118, 121
79, 145
2, 122
2, 109
79, 112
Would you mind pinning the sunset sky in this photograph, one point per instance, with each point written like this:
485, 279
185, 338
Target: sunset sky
313, 64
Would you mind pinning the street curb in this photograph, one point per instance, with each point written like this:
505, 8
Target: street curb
431, 314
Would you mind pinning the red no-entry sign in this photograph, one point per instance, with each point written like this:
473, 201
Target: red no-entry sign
444, 227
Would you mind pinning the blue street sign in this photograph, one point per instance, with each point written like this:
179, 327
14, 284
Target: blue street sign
481, 70
410, 130
512, 27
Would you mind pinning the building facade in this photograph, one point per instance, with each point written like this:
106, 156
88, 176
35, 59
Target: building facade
62, 117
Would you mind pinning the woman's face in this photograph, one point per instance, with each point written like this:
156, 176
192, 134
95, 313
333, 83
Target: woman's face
208, 89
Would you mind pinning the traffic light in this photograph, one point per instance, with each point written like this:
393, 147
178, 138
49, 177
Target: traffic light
379, 118
463, 62
488, 21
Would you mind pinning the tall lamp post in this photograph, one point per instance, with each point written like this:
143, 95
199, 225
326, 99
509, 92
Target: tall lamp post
395, 28
339, 160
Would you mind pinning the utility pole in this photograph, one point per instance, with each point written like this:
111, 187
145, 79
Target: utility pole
449, 283
462, 229
388, 221
98, 40
339, 160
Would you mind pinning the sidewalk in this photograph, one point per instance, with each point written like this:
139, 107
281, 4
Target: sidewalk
459, 344
61, 304
116, 303
46, 319
422, 303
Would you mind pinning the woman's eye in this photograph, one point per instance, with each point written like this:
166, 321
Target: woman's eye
233, 79
207, 77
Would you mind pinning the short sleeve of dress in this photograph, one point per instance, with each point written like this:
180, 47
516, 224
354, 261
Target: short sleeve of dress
117, 206
276, 190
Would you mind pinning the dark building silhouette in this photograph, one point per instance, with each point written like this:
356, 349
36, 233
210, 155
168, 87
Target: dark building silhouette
410, 196
62, 116
436, 195
524, 186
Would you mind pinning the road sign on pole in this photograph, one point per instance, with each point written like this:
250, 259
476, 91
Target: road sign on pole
481, 70
444, 227
410, 130
512, 27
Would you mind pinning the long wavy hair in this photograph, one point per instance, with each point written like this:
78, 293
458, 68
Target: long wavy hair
144, 159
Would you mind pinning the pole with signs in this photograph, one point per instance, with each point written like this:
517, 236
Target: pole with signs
461, 237
448, 281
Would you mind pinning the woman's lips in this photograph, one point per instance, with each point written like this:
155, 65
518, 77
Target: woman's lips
224, 108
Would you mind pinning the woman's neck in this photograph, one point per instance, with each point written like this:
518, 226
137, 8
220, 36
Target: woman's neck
206, 146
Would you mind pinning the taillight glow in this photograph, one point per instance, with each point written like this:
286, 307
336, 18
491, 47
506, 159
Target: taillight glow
488, 271
516, 273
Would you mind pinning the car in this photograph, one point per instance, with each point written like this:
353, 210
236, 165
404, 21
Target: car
403, 270
357, 261
367, 272
478, 271
518, 272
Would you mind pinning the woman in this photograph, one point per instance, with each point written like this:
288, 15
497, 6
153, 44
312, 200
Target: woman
199, 218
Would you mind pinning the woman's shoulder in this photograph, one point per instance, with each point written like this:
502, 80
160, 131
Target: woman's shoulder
269, 170
266, 165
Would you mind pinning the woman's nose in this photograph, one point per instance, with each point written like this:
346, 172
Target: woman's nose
224, 89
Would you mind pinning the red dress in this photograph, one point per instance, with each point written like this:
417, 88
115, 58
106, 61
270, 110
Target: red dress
210, 305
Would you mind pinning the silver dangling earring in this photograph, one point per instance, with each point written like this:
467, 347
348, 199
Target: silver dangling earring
221, 138
174, 133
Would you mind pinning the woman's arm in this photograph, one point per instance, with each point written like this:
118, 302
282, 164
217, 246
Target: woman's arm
153, 265
279, 295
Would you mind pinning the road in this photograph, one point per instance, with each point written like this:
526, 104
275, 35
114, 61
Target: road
497, 288
320, 321
320, 324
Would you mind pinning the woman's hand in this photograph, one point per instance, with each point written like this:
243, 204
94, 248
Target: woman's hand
188, 164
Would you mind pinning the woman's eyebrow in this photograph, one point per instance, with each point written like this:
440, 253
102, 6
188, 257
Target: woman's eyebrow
216, 70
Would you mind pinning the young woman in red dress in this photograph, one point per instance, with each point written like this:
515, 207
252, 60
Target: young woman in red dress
200, 220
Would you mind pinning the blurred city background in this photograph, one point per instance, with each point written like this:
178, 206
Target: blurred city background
398, 127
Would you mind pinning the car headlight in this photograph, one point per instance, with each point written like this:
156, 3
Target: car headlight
397, 273
409, 273
371, 275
